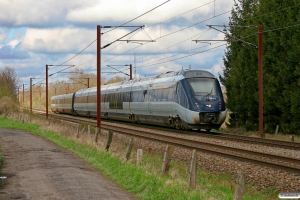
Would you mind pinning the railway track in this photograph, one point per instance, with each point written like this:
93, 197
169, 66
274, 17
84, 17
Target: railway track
226, 136
287, 164
217, 135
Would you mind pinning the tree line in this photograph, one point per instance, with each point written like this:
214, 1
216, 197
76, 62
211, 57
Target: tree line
281, 64
9, 82
76, 80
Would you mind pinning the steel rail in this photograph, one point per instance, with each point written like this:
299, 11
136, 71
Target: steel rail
205, 147
263, 159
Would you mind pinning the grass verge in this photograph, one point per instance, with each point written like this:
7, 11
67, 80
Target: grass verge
145, 181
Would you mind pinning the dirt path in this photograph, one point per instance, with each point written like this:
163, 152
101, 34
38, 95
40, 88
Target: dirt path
38, 169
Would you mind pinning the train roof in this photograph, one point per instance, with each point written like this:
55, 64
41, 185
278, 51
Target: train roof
166, 76
185, 73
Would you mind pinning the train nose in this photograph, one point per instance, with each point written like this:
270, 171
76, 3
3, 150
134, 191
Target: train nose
209, 117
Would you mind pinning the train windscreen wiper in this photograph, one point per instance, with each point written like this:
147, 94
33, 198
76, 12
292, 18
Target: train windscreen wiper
207, 99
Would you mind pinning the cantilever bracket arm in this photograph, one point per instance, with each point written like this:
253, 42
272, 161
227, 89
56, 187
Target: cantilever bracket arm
138, 40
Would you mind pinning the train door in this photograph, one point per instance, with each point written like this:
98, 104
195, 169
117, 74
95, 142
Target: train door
122, 103
181, 102
149, 100
139, 101
113, 103
161, 104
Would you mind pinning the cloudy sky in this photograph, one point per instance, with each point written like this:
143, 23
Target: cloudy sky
34, 33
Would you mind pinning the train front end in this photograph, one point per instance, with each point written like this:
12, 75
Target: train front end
206, 106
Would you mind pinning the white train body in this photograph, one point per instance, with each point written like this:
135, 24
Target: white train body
190, 99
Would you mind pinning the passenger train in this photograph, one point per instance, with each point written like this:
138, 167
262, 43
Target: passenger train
186, 99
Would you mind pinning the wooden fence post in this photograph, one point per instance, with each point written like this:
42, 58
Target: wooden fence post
240, 185
81, 132
109, 140
193, 170
150, 150
276, 131
77, 135
139, 156
129, 148
89, 130
167, 159
96, 135
292, 138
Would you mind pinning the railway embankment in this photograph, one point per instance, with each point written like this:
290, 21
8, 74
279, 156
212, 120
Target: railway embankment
218, 185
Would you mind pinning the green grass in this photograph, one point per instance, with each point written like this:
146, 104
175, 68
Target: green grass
146, 181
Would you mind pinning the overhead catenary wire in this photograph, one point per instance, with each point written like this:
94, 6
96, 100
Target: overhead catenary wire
180, 14
249, 18
182, 56
150, 26
114, 29
76, 54
272, 12
156, 61
201, 34
281, 28
137, 17
197, 8
235, 39
167, 35
221, 45
160, 22
109, 31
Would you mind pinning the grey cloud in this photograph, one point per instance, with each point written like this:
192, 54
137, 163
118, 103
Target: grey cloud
38, 14
8, 52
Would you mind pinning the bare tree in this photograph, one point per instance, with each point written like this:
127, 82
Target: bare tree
115, 79
9, 82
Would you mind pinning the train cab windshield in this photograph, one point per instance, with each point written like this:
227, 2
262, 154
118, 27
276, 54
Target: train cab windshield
202, 86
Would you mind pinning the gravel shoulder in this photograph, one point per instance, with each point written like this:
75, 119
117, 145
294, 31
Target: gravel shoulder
38, 169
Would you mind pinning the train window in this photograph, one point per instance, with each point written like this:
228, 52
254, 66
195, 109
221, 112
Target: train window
119, 102
112, 101
126, 97
137, 96
77, 100
157, 95
107, 97
181, 97
145, 96
202, 86
67, 101
166, 94
170, 94
80, 100
92, 99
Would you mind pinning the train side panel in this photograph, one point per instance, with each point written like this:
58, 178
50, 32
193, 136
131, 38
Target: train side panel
80, 103
92, 101
62, 103
161, 101
139, 105
188, 99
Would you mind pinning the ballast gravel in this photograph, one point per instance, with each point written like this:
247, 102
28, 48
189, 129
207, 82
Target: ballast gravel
259, 176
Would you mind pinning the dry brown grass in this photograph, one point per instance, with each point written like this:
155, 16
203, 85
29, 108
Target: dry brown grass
242, 131
279, 136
